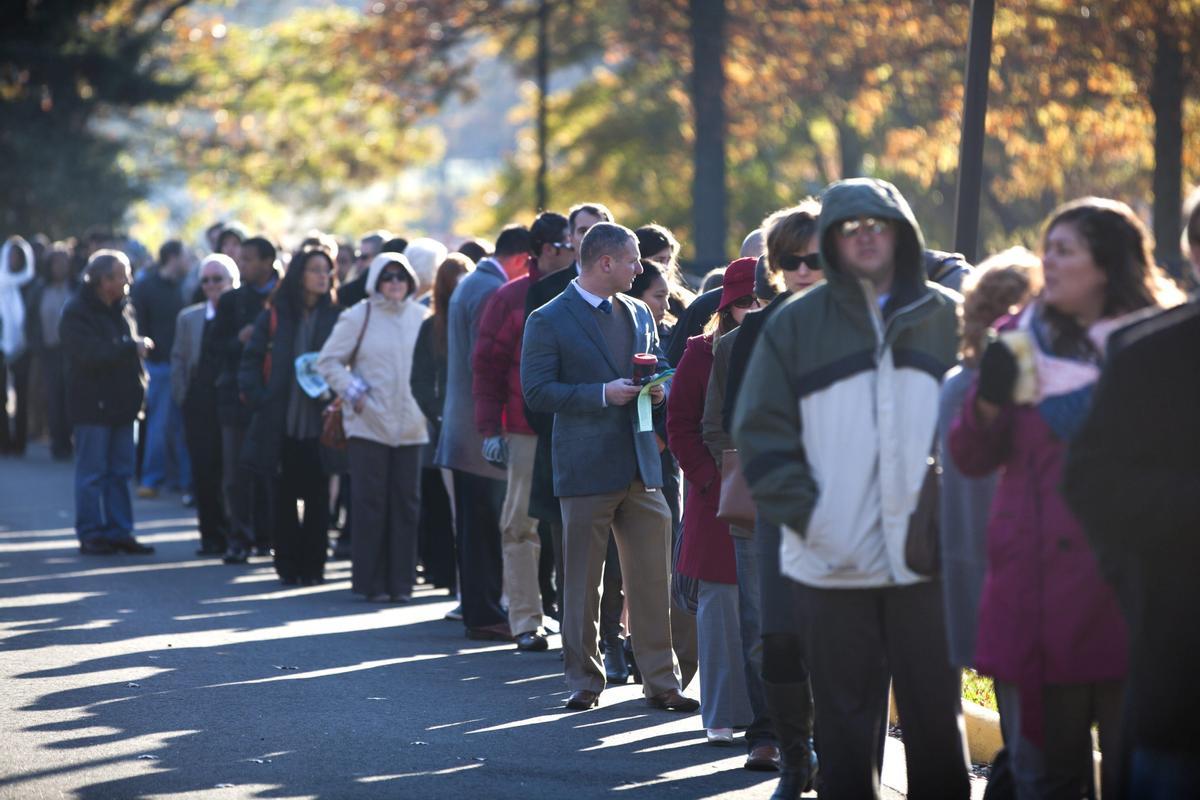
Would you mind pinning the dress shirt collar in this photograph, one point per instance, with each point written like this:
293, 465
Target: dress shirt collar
592, 300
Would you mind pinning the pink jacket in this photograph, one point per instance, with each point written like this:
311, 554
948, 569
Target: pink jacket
1046, 616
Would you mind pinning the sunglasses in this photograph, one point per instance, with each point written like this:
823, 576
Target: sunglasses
562, 246
749, 301
793, 262
387, 276
212, 279
853, 227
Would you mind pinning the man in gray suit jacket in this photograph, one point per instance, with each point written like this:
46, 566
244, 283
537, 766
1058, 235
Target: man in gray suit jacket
479, 485
576, 362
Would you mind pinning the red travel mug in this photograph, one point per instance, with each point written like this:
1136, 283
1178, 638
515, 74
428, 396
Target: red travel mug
644, 365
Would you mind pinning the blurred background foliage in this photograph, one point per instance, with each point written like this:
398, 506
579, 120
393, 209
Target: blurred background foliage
418, 115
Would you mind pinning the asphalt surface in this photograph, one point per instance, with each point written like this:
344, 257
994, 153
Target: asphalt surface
174, 676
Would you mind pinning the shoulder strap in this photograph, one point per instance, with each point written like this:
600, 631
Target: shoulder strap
273, 324
361, 334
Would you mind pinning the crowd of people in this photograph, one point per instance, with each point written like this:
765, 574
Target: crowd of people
851, 464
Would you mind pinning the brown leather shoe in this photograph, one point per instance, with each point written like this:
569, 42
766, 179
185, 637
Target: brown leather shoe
672, 700
764, 757
582, 700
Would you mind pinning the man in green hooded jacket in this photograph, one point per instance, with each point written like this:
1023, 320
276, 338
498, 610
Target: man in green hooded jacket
836, 423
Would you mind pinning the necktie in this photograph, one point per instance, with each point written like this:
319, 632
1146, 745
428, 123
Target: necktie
605, 306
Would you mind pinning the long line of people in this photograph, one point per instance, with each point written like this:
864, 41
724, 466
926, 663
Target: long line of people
554, 427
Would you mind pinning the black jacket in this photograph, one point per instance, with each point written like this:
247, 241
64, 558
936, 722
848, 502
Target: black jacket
428, 378
235, 310
105, 380
157, 302
268, 399
739, 356
692, 323
350, 293
1133, 478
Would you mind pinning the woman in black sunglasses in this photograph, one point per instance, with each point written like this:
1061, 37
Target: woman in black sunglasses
777, 678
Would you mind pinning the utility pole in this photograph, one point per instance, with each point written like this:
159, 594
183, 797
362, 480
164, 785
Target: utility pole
970, 149
543, 68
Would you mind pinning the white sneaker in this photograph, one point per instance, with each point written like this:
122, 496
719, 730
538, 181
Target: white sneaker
720, 736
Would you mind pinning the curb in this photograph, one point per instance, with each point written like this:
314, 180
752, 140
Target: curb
982, 726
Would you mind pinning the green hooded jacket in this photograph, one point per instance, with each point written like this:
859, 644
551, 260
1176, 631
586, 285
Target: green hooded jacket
837, 414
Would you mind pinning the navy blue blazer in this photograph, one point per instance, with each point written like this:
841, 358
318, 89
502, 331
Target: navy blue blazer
565, 362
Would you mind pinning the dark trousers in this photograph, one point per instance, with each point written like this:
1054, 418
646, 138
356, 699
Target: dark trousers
203, 433
300, 544
436, 539
54, 385
612, 598
247, 494
478, 502
387, 503
858, 639
14, 432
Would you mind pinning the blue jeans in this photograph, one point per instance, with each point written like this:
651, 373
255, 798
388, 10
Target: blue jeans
1159, 775
104, 456
166, 459
750, 618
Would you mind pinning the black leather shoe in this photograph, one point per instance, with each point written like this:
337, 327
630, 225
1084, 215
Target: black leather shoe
210, 550
236, 555
582, 700
616, 668
532, 641
672, 700
132, 546
96, 549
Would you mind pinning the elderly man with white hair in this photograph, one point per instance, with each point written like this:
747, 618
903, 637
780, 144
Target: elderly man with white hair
194, 370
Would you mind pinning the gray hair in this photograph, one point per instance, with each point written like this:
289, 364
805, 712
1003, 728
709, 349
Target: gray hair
102, 263
603, 239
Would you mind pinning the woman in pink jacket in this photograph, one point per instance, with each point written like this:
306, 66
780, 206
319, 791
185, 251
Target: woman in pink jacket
1050, 631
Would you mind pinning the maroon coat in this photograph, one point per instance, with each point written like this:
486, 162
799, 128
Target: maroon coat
707, 550
1046, 615
496, 362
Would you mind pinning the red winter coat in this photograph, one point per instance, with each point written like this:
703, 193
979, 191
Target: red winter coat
1046, 615
707, 550
496, 362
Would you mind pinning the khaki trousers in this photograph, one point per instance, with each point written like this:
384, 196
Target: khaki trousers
520, 544
640, 521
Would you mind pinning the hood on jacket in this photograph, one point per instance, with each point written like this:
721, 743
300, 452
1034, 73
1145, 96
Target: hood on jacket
871, 197
425, 255
382, 260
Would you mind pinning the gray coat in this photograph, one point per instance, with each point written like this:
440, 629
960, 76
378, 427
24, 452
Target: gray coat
565, 363
185, 350
965, 507
460, 445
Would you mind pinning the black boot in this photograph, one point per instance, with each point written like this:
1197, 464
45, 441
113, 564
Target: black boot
631, 660
616, 669
791, 708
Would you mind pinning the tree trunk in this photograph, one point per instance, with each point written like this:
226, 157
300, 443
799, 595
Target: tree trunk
1166, 101
708, 102
850, 147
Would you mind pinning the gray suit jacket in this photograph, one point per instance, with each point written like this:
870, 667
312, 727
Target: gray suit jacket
185, 352
460, 446
565, 363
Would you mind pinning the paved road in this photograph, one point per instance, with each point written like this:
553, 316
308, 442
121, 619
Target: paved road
172, 676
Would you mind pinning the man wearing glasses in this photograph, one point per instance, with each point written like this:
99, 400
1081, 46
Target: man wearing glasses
835, 423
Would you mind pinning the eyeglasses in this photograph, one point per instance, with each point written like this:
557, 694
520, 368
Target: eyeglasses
387, 276
562, 246
791, 263
207, 279
853, 227
749, 301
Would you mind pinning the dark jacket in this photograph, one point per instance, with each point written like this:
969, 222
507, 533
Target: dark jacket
268, 399
428, 379
157, 302
692, 323
105, 380
351, 292
707, 550
32, 293
1133, 478
235, 310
